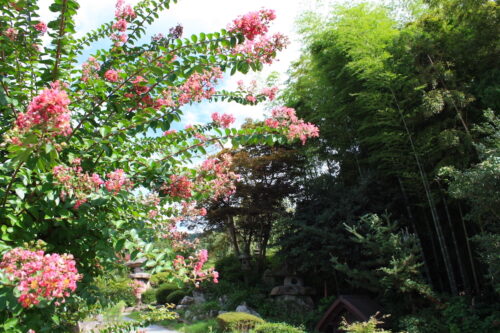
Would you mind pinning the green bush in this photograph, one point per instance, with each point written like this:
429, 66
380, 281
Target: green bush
159, 279
230, 268
115, 291
149, 297
237, 321
276, 328
176, 296
163, 291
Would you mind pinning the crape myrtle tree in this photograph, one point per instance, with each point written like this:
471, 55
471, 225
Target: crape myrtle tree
82, 182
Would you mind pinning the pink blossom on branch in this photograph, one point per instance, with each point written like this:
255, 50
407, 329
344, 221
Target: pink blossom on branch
11, 33
117, 181
40, 276
270, 92
199, 86
253, 24
111, 75
262, 50
284, 118
41, 27
49, 110
225, 120
179, 187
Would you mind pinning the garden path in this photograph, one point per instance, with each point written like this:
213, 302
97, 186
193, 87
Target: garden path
152, 328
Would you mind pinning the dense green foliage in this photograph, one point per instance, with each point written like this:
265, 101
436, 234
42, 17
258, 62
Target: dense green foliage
397, 105
239, 321
163, 291
400, 198
276, 328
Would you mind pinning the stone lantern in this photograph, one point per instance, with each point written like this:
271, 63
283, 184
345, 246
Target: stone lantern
138, 275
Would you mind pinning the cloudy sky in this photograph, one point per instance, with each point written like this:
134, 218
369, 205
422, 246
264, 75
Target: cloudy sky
205, 16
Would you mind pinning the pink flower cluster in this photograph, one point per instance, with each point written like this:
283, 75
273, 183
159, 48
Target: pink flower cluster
75, 182
40, 276
223, 180
179, 187
251, 91
225, 120
253, 24
285, 118
194, 264
262, 50
270, 92
123, 14
41, 27
90, 68
111, 75
48, 110
117, 181
80, 185
139, 87
199, 86
11, 33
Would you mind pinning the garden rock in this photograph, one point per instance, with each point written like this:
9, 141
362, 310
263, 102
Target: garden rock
198, 297
243, 307
187, 300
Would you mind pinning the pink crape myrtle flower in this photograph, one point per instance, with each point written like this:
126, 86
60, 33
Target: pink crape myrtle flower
262, 49
285, 118
120, 25
180, 187
169, 132
111, 75
90, 68
270, 92
11, 33
251, 98
48, 110
225, 120
253, 24
117, 180
199, 86
42, 27
40, 276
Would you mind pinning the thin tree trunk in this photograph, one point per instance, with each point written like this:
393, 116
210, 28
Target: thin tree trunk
432, 206
469, 250
414, 228
434, 251
232, 235
455, 244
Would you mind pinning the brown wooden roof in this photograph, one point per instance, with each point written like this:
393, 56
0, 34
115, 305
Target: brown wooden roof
360, 306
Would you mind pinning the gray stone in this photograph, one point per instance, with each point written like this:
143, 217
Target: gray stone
199, 297
294, 303
243, 307
187, 300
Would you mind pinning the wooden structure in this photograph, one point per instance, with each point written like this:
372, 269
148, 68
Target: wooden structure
351, 307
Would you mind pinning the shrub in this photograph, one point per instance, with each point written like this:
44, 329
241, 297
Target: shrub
149, 297
176, 296
163, 291
114, 291
237, 321
276, 328
159, 279
230, 268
